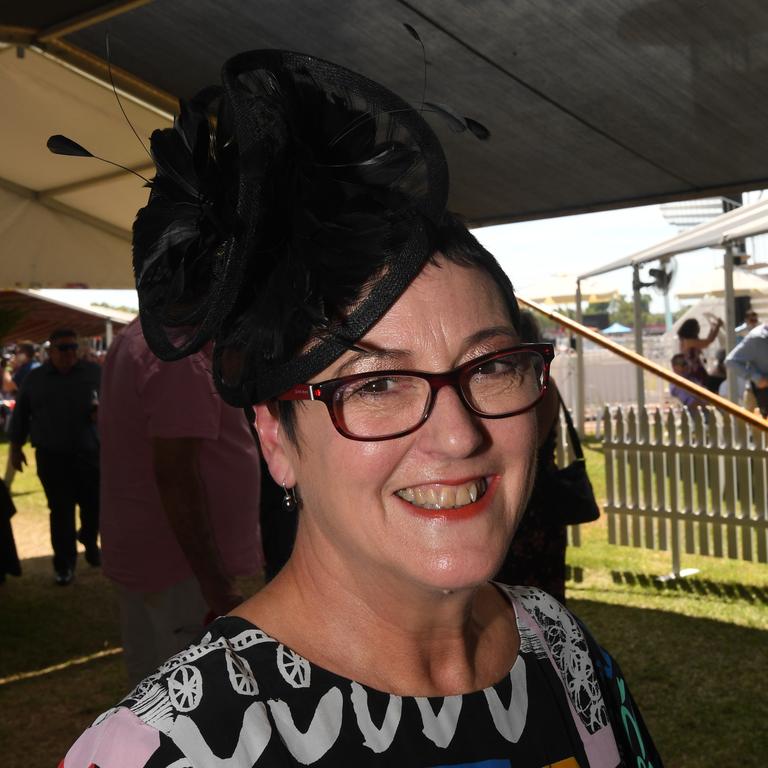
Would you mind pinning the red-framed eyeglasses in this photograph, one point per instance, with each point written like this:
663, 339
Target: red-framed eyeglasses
382, 405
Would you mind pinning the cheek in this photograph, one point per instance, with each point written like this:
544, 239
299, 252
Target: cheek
518, 441
342, 467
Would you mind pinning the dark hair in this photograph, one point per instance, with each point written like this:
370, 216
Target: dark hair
456, 244
61, 333
27, 347
689, 329
530, 333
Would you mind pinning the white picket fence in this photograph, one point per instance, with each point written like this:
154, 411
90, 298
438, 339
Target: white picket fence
686, 481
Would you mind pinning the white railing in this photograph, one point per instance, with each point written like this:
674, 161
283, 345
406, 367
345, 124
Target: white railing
608, 379
686, 481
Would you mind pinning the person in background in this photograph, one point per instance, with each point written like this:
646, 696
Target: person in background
691, 347
56, 408
687, 398
750, 360
536, 556
179, 498
24, 362
751, 320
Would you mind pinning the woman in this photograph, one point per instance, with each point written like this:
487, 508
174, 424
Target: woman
691, 347
380, 343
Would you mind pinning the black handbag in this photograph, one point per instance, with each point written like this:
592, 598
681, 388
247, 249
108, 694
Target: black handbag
568, 492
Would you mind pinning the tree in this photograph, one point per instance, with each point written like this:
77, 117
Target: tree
622, 310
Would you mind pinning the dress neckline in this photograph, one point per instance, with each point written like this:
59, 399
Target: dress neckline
323, 671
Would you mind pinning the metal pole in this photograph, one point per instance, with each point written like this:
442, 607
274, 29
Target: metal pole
667, 312
730, 319
639, 373
108, 333
580, 384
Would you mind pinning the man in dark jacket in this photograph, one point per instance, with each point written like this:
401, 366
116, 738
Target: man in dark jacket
56, 408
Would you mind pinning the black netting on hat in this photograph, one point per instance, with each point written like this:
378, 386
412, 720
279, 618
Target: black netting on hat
183, 238
318, 192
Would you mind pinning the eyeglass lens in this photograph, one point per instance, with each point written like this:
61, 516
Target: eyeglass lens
386, 405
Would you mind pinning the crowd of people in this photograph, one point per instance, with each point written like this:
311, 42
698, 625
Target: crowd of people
748, 360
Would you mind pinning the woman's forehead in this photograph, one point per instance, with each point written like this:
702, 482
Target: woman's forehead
447, 311
449, 295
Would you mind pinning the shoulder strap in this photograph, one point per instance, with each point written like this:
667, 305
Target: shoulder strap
573, 435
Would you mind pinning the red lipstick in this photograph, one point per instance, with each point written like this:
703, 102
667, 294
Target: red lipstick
458, 513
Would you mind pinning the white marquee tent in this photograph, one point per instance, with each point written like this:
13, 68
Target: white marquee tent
66, 221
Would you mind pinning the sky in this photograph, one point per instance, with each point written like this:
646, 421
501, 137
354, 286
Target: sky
532, 251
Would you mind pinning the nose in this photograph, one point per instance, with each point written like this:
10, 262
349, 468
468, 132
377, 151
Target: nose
451, 429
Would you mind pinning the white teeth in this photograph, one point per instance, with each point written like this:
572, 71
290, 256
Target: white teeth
464, 496
407, 494
444, 496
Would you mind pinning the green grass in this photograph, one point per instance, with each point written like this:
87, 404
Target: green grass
694, 651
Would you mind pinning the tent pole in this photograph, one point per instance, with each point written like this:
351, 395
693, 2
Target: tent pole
640, 375
580, 384
730, 319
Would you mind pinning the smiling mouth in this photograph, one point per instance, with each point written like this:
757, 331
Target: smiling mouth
440, 496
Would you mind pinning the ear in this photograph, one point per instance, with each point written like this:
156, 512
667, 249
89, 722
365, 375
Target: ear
274, 445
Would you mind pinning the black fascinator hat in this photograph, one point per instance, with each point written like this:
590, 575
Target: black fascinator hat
290, 209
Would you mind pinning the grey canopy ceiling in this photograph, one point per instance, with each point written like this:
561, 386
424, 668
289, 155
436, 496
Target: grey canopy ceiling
591, 104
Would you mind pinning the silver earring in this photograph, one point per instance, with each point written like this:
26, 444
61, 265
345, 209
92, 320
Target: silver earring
289, 503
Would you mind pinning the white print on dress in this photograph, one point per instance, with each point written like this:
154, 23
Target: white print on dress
254, 737
250, 637
295, 669
440, 728
153, 706
376, 739
569, 651
322, 732
510, 722
240, 675
185, 688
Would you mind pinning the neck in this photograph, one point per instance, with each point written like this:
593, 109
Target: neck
435, 643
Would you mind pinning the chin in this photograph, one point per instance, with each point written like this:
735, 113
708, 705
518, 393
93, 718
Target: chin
460, 572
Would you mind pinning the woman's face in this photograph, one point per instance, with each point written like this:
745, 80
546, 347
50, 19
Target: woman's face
365, 503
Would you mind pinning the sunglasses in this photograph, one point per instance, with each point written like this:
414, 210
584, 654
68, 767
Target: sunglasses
66, 347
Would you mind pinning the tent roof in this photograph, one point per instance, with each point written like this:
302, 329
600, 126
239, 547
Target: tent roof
591, 105
561, 289
27, 315
712, 283
741, 222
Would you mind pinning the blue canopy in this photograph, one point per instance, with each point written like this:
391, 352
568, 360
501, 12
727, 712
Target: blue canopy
616, 328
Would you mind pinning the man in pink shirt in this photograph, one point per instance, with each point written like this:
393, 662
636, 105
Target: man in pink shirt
179, 495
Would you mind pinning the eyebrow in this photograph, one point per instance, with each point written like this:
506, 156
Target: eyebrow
378, 356
491, 333
395, 356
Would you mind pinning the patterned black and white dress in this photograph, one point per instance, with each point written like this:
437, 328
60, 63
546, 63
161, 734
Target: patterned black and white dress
239, 698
